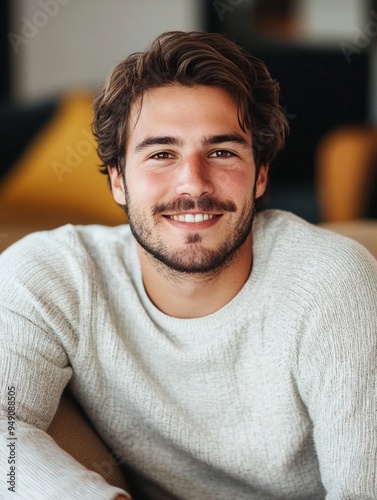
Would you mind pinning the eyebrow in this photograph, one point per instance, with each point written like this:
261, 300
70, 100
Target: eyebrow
174, 141
151, 141
219, 139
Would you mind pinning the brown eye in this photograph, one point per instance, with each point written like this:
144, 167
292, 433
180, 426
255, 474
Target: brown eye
221, 153
162, 156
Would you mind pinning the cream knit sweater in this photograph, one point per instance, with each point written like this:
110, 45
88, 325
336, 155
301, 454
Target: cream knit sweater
272, 397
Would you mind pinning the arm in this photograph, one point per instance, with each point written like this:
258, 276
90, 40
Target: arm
337, 378
34, 369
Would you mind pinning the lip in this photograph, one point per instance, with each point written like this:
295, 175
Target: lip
203, 224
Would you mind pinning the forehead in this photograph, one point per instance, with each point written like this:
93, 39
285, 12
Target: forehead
174, 108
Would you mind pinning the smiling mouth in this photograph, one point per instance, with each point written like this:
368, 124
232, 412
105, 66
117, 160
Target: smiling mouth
192, 218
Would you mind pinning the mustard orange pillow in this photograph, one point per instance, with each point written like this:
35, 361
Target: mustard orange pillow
59, 171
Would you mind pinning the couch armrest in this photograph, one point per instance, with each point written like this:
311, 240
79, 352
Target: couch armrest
74, 433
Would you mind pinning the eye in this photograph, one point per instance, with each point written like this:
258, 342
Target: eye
163, 155
221, 153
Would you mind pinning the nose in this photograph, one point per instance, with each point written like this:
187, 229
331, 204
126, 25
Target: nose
194, 177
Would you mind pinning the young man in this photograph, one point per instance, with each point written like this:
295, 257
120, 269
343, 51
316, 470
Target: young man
220, 356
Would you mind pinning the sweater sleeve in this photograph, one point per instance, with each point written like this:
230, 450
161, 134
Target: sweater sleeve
337, 374
38, 324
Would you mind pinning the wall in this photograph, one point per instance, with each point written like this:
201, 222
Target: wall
328, 21
60, 43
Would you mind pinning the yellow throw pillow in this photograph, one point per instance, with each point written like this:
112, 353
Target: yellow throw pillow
59, 171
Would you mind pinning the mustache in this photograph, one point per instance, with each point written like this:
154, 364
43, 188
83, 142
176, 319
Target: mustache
203, 203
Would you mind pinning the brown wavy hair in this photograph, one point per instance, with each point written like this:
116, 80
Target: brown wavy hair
191, 58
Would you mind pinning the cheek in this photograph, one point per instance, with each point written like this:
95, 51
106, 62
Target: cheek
237, 184
151, 187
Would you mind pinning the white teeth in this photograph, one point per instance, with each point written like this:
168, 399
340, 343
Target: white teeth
191, 217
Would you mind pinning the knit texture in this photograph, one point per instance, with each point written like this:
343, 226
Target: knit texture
271, 397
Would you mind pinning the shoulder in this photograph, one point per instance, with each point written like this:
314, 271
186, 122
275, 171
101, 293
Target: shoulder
291, 229
68, 251
284, 235
322, 284
55, 280
312, 262
68, 238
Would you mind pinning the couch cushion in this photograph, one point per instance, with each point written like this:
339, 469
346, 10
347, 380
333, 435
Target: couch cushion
58, 175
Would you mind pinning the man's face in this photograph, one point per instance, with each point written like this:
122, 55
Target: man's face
190, 178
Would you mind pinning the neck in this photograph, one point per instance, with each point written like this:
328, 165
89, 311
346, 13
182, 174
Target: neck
184, 295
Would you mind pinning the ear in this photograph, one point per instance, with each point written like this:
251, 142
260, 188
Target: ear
117, 185
261, 181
